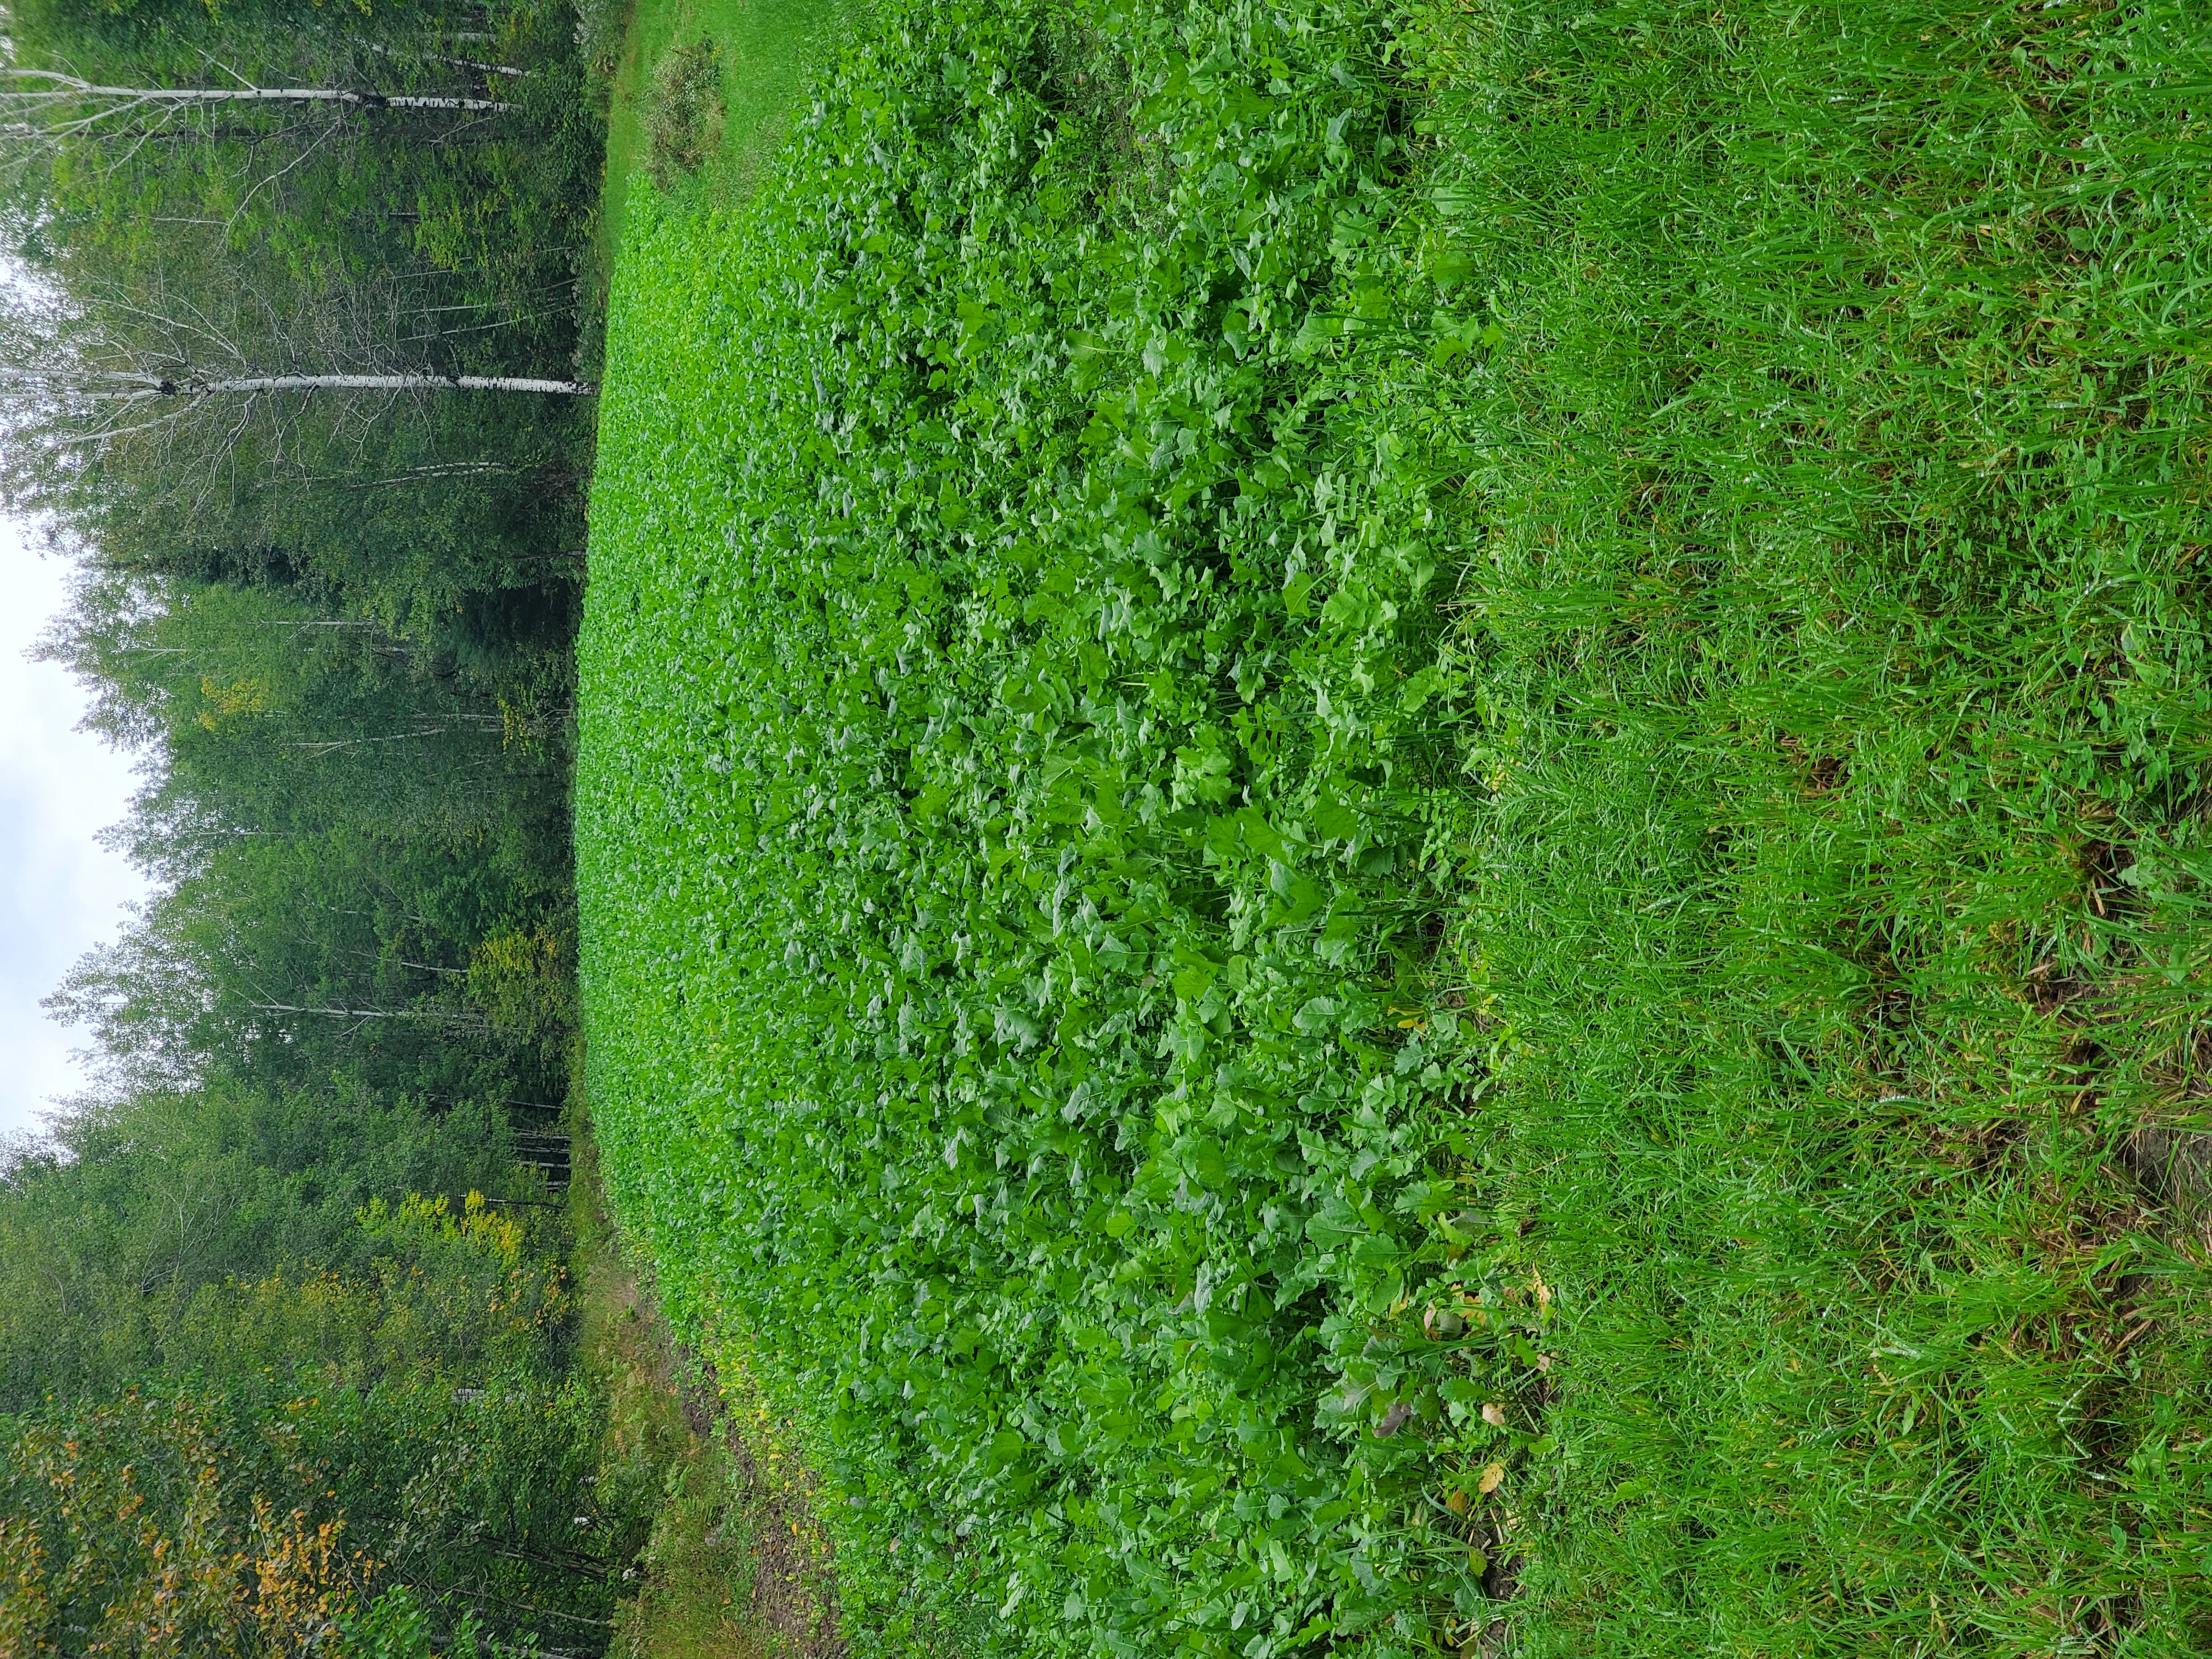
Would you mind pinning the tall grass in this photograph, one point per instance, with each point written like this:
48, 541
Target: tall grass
1833, 609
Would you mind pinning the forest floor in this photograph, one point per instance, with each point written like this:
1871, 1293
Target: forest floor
732, 1569
1394, 823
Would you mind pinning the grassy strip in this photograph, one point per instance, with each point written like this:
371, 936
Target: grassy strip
1250, 1110
689, 1559
761, 49
722, 1556
1835, 633
794, 1607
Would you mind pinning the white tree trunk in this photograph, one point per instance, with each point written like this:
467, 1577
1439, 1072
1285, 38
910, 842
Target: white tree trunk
144, 401
250, 383
126, 98
439, 1017
457, 62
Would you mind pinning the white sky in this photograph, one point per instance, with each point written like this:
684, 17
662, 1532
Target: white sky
60, 892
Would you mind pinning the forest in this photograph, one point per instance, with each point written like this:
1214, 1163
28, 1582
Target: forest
1335, 827
285, 1330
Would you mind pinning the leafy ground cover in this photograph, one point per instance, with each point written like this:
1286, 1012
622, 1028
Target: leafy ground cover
1391, 824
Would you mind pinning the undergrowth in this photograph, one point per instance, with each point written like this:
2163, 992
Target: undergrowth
683, 116
685, 1542
1391, 824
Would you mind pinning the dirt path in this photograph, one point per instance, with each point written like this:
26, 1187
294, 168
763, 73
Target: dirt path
794, 1586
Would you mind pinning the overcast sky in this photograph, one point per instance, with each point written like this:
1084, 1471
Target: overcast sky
60, 892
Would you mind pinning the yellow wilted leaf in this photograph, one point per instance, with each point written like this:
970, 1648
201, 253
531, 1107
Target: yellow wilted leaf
1494, 1414
247, 696
1456, 1503
1492, 1474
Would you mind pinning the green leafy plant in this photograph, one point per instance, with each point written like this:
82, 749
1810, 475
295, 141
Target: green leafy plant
1032, 991
1350, 821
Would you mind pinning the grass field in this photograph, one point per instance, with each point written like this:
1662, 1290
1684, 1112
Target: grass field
762, 51
1393, 823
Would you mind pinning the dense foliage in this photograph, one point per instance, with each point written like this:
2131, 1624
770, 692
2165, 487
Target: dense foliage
348, 1450
1008, 909
333, 622
360, 846
1390, 822
173, 242
131, 1229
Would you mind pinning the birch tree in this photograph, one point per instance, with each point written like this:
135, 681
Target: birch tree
133, 390
205, 381
50, 104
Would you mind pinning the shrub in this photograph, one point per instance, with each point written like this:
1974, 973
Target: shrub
682, 113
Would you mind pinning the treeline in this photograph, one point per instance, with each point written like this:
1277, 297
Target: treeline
231, 353
295, 355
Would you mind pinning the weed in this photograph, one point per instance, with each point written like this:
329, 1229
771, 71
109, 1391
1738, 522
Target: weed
682, 115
